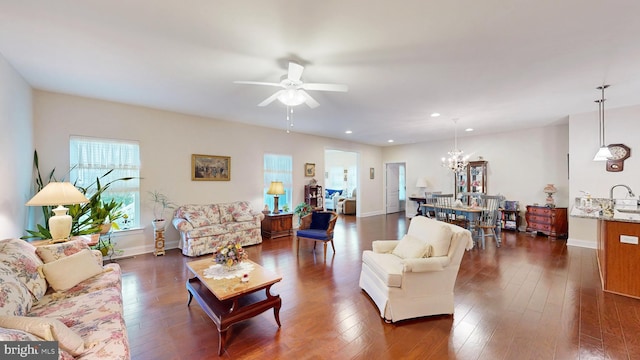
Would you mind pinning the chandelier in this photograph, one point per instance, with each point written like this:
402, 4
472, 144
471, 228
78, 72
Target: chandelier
456, 162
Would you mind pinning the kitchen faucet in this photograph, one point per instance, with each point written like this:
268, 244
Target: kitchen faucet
631, 194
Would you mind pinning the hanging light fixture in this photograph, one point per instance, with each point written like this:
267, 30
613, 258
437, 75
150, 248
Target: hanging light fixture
289, 119
603, 153
456, 161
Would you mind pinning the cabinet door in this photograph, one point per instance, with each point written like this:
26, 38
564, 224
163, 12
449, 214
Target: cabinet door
473, 179
477, 177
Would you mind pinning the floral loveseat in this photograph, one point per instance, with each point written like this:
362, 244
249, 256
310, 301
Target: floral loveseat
62, 293
204, 227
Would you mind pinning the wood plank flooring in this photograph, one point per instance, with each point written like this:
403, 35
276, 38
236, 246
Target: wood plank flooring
530, 299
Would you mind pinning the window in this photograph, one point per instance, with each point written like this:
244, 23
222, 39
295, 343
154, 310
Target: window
278, 168
91, 158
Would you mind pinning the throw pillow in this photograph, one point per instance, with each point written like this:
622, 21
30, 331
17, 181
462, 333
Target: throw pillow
197, 218
320, 221
15, 298
440, 239
20, 257
47, 329
410, 248
68, 272
49, 253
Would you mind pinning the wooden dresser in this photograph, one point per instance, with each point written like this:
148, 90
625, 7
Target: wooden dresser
277, 225
549, 221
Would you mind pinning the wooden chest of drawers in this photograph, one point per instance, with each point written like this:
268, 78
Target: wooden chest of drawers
549, 221
277, 225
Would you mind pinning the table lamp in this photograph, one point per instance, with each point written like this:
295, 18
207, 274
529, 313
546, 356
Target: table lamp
276, 188
550, 190
422, 185
58, 193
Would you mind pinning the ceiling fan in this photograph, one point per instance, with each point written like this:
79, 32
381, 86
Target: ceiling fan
293, 92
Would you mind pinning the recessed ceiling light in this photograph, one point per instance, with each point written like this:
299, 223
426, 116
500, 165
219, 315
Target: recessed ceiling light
468, 129
348, 132
435, 114
390, 140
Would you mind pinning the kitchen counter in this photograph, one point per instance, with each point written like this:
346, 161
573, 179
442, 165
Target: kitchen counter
593, 210
618, 247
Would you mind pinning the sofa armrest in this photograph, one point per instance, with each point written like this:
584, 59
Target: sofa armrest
258, 215
384, 246
182, 224
98, 255
437, 263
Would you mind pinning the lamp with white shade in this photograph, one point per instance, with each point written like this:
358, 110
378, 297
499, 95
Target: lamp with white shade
58, 193
422, 185
276, 188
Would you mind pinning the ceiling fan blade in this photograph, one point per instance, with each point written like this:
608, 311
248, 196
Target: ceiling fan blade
271, 98
326, 87
256, 83
311, 102
295, 71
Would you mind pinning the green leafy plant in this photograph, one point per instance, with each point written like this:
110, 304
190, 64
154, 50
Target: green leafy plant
285, 208
303, 209
86, 218
160, 204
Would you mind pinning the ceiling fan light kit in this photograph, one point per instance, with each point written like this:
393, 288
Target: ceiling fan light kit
293, 88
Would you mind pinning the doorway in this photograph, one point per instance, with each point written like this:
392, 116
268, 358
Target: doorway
396, 187
340, 178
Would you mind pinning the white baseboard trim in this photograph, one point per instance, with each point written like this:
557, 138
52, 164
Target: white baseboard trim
581, 243
146, 249
372, 213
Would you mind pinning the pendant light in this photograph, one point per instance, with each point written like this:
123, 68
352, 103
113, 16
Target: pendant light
603, 153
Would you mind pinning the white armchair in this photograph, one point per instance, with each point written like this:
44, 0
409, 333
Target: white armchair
415, 278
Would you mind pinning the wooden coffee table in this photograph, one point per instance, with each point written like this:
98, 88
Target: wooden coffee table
228, 301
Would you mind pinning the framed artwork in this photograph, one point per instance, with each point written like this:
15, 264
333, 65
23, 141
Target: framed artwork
210, 168
309, 169
371, 173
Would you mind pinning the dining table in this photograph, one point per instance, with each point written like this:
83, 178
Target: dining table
470, 213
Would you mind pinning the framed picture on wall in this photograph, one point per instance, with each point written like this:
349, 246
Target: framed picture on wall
309, 169
371, 173
210, 168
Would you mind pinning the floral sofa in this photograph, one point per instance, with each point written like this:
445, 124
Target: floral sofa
204, 227
63, 293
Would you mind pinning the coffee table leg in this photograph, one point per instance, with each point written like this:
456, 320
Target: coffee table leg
222, 337
276, 308
190, 298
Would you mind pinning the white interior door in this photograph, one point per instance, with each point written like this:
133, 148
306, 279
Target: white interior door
393, 188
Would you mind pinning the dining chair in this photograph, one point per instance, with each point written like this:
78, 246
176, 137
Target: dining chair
431, 201
488, 221
444, 207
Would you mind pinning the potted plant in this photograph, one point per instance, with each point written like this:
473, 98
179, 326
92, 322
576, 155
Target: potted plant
302, 209
86, 218
160, 204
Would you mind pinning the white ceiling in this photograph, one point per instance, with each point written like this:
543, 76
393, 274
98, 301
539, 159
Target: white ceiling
497, 65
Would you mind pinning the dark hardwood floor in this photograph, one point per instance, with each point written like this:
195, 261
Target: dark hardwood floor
530, 299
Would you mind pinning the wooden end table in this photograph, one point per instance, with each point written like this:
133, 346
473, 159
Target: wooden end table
229, 301
277, 225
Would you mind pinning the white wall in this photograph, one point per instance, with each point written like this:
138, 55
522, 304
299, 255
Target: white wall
16, 151
167, 141
520, 163
622, 126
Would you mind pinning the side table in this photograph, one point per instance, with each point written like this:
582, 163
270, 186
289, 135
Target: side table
277, 225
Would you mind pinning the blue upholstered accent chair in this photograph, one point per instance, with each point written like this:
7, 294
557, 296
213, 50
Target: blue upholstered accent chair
318, 226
